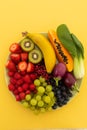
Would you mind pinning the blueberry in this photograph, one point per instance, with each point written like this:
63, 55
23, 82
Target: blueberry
70, 94
59, 96
64, 102
55, 106
67, 98
64, 94
60, 83
60, 104
52, 81
58, 92
63, 88
61, 99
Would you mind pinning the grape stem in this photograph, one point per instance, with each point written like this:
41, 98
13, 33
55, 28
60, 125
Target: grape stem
57, 79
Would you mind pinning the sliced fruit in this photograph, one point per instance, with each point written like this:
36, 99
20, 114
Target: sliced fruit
61, 52
35, 56
22, 66
30, 67
15, 57
46, 48
15, 48
10, 65
27, 44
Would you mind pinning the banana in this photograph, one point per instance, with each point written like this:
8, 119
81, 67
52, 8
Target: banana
48, 52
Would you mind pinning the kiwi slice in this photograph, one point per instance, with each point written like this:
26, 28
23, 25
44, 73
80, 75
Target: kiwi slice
27, 44
35, 56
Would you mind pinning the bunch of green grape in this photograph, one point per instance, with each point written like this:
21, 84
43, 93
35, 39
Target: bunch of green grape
43, 100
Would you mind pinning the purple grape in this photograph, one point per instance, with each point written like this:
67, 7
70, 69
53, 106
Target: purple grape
59, 70
69, 79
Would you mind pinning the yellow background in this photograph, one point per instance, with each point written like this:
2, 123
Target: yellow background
17, 16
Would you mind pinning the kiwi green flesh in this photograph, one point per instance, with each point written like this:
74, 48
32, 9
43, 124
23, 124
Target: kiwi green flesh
35, 56
27, 45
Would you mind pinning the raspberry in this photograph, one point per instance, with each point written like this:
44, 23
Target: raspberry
32, 87
10, 73
13, 81
16, 92
19, 81
27, 78
22, 95
20, 89
25, 86
11, 87
33, 76
17, 75
10, 65
35, 91
22, 73
27, 92
18, 98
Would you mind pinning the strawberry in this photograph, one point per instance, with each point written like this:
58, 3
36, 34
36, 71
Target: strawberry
15, 48
24, 56
15, 57
30, 67
10, 65
22, 66
17, 75
27, 79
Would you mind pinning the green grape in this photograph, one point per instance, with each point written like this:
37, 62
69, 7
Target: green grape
40, 104
42, 80
49, 88
47, 99
42, 110
37, 82
25, 104
41, 90
51, 94
36, 111
44, 84
32, 108
38, 97
22, 101
49, 108
33, 102
28, 97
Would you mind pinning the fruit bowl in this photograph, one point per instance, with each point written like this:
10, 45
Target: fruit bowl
36, 77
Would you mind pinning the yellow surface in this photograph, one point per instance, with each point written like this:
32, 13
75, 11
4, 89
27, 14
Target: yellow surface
17, 16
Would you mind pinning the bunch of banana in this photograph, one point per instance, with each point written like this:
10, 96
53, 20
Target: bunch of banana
48, 52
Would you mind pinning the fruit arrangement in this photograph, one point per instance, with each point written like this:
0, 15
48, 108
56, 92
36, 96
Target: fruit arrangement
45, 71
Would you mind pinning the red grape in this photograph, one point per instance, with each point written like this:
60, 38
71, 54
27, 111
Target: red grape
59, 70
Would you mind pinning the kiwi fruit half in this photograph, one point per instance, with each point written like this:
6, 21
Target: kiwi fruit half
35, 56
27, 45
